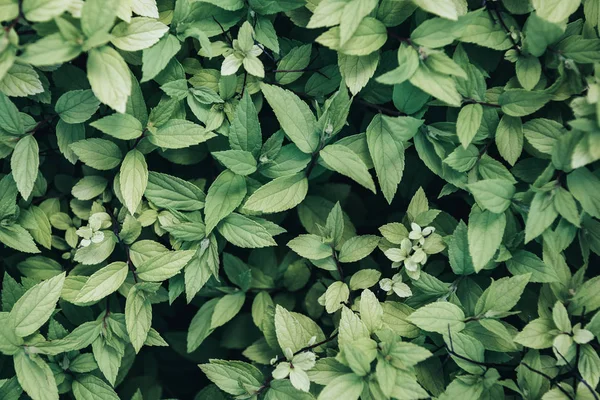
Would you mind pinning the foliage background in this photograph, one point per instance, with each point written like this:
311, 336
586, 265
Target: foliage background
353, 198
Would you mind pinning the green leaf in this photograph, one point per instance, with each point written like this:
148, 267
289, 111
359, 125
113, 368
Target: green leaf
370, 36
67, 134
493, 194
555, 10
109, 76
100, 154
17, 237
164, 266
200, 325
24, 164
133, 179
35, 376
310, 246
343, 160
233, 377
138, 316
120, 126
524, 262
226, 308
385, 138
76, 106
468, 123
357, 248
408, 62
238, 161
89, 187
585, 186
10, 343
224, 195
36, 222
357, 70
168, 191
538, 334
294, 116
91, 387
98, 16
541, 215
364, 279
156, 58
179, 134
509, 138
43, 10
294, 330
439, 317
335, 296
9, 116
521, 102
462, 159
34, 308
244, 132
444, 8
244, 232
439, 86
502, 295
279, 195
347, 386
458, 251
485, 230
529, 71
138, 34
297, 59
103, 282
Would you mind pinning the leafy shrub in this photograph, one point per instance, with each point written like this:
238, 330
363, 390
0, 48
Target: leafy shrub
308, 199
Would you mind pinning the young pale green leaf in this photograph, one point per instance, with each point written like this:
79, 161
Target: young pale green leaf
164, 265
66, 134
91, 387
439, 86
224, 195
133, 179
35, 376
156, 58
226, 308
24, 163
485, 230
89, 187
358, 247
502, 295
100, 154
103, 282
357, 70
109, 77
43, 10
493, 194
408, 63
524, 262
168, 191
529, 71
240, 162
34, 308
244, 132
120, 126
294, 116
138, 316
179, 134
139, 34
297, 59
439, 317
343, 160
521, 102
542, 214
233, 377
468, 123
18, 238
444, 8
509, 138
310, 246
243, 232
335, 296
294, 330
538, 334
279, 195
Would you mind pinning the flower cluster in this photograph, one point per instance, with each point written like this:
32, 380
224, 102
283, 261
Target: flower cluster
92, 233
295, 367
412, 252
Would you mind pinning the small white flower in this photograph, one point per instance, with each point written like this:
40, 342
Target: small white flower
296, 368
85, 242
419, 234
395, 285
399, 255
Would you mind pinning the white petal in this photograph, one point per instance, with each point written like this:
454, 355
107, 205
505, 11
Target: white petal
386, 284
304, 361
414, 274
289, 354
428, 231
402, 290
414, 235
230, 65
395, 254
300, 380
397, 278
415, 227
282, 370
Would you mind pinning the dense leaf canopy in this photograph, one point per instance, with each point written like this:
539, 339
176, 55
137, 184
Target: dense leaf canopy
299, 199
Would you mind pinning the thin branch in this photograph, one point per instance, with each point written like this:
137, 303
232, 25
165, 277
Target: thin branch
381, 109
578, 375
515, 45
565, 392
224, 32
483, 103
314, 346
